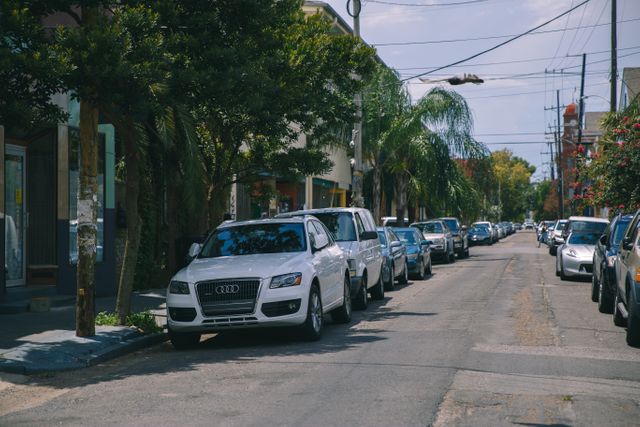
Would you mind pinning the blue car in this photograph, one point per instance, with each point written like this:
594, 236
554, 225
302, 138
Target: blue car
394, 254
418, 253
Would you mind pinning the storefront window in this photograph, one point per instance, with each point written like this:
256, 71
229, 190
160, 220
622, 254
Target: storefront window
74, 184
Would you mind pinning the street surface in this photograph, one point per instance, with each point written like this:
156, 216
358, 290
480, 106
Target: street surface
495, 339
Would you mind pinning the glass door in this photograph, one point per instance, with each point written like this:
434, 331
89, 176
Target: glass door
15, 215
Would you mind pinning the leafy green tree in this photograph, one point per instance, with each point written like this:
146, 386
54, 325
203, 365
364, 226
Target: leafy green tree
512, 175
615, 169
29, 73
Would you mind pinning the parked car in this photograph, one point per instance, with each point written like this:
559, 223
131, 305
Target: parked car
555, 239
437, 232
275, 272
575, 256
418, 253
529, 224
460, 237
355, 232
541, 225
517, 226
604, 273
394, 254
489, 227
479, 236
626, 304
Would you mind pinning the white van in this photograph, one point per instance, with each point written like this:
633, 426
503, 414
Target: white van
354, 230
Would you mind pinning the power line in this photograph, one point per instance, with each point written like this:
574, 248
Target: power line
529, 93
501, 44
510, 134
392, 3
518, 61
495, 37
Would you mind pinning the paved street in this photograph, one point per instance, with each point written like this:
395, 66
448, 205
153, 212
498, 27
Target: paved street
495, 339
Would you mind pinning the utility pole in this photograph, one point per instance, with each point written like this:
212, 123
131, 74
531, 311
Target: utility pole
353, 8
581, 108
560, 165
553, 175
614, 57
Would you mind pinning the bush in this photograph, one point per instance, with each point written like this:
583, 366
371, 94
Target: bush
145, 321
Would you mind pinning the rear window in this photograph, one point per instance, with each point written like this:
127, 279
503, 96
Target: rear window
452, 224
383, 239
430, 227
587, 227
340, 224
407, 236
621, 227
255, 239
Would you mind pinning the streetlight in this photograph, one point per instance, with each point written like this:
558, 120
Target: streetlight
456, 80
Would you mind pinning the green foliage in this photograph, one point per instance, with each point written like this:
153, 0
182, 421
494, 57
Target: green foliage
29, 72
615, 169
512, 175
145, 321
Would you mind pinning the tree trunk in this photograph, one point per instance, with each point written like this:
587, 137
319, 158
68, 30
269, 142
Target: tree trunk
218, 200
377, 193
132, 244
87, 224
401, 184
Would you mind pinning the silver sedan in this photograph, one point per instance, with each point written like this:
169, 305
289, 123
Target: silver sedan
575, 257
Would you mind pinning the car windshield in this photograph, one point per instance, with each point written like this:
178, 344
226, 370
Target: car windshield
588, 227
482, 227
265, 238
583, 238
383, 239
340, 224
621, 227
430, 227
477, 230
452, 224
407, 236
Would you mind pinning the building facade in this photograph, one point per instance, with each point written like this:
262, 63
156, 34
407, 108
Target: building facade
38, 198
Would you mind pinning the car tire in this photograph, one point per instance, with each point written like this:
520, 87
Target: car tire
420, 270
362, 298
466, 252
595, 289
312, 326
430, 268
562, 275
404, 279
618, 320
557, 264
633, 327
605, 303
377, 292
184, 340
392, 279
553, 250
342, 314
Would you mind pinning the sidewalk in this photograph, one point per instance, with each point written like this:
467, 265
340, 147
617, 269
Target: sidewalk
44, 342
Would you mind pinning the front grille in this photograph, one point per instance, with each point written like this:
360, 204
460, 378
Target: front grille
227, 297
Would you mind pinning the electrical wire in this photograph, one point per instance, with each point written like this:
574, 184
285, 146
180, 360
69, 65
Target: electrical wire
459, 3
564, 32
501, 44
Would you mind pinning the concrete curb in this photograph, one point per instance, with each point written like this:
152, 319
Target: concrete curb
72, 361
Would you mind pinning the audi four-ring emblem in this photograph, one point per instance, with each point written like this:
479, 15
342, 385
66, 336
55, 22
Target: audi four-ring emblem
227, 289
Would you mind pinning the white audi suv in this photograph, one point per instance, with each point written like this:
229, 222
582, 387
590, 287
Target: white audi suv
274, 272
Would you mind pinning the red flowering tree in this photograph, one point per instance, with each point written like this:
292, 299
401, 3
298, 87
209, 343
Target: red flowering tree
615, 169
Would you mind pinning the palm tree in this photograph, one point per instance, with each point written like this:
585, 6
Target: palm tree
424, 137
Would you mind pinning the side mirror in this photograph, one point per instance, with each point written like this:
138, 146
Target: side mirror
194, 250
425, 243
627, 244
464, 228
603, 239
369, 235
320, 242
396, 244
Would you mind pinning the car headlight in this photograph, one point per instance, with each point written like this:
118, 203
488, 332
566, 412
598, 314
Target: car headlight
611, 259
178, 287
286, 280
438, 241
572, 253
412, 256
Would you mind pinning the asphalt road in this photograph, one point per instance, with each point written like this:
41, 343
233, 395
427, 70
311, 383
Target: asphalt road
495, 339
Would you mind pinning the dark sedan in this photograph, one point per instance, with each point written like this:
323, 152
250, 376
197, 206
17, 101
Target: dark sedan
418, 253
394, 253
479, 236
604, 273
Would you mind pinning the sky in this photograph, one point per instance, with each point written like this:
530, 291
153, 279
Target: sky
508, 108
